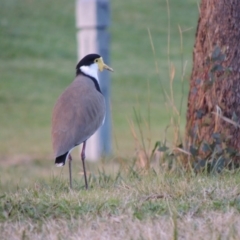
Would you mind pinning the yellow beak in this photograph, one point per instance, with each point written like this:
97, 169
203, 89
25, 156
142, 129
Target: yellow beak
102, 65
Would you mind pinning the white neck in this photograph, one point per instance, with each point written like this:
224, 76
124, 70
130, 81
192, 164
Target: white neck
91, 70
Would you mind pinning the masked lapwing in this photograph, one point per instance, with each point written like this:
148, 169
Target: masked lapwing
79, 112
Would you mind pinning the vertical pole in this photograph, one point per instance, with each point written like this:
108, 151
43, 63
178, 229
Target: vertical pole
92, 21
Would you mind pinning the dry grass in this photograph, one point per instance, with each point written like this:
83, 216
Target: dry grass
210, 225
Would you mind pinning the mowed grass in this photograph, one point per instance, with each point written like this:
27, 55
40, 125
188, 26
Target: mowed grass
37, 61
38, 58
124, 203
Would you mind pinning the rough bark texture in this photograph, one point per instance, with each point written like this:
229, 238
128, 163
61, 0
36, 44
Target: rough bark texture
215, 79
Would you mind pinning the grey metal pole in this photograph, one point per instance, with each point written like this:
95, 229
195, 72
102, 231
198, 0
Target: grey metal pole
92, 22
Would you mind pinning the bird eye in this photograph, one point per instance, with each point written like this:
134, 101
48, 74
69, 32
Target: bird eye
96, 60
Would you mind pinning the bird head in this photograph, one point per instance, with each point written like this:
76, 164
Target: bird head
90, 64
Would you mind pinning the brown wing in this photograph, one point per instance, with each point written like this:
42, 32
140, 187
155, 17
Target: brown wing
78, 113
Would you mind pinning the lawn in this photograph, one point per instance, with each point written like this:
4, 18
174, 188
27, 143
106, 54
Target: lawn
124, 201
38, 58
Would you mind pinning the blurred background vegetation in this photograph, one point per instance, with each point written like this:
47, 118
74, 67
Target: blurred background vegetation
38, 58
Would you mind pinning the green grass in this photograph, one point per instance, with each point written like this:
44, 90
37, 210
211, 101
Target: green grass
38, 57
124, 204
37, 61
137, 75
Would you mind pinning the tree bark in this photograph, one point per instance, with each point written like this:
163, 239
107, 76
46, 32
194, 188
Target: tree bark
213, 115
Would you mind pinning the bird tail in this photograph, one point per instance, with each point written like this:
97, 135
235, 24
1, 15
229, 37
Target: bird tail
60, 160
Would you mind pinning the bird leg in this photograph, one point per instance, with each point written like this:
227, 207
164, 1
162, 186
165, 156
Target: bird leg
83, 162
70, 169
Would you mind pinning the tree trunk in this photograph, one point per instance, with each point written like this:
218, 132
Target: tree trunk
213, 115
